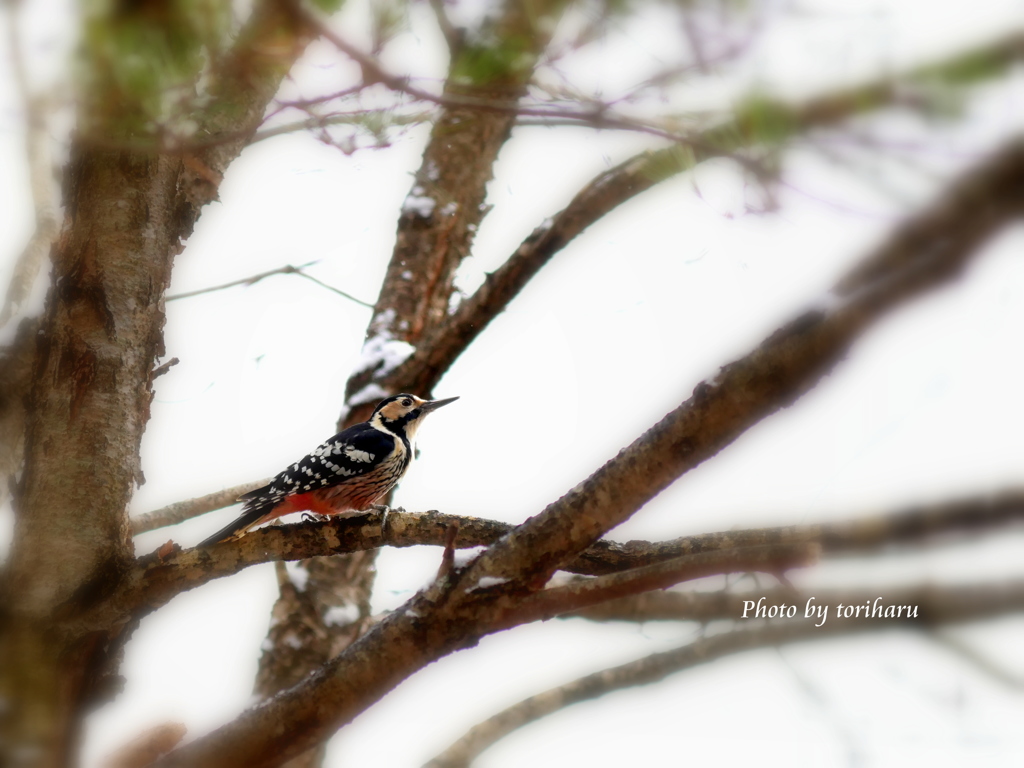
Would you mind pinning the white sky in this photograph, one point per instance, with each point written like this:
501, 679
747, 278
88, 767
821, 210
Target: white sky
615, 332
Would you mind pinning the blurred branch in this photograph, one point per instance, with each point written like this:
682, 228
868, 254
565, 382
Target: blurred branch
159, 578
147, 747
926, 251
758, 119
581, 593
287, 269
343, 118
754, 121
910, 526
180, 511
452, 36
937, 605
40, 172
242, 85
722, 605
600, 116
672, 605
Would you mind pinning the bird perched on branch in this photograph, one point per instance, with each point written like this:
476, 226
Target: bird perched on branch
350, 472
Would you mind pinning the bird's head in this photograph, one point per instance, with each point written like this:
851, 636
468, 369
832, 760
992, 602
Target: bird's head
403, 414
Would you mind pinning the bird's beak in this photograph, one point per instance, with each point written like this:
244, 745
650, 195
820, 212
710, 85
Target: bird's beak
433, 405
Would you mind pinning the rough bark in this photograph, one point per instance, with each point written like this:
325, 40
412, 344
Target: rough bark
88, 409
128, 208
15, 374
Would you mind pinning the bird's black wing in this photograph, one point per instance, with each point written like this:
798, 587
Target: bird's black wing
350, 453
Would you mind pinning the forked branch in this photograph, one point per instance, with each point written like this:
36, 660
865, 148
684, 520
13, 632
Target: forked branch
161, 576
755, 122
925, 252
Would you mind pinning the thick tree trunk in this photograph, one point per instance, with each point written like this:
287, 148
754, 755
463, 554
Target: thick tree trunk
127, 212
88, 408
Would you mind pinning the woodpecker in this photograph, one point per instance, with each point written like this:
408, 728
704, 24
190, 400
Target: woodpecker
350, 472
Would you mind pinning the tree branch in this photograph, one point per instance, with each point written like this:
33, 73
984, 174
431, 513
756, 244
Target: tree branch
287, 269
343, 118
180, 511
936, 606
582, 593
926, 251
755, 121
159, 577
126, 215
147, 746
452, 35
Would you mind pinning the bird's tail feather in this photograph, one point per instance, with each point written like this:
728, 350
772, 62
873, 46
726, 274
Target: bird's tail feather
252, 513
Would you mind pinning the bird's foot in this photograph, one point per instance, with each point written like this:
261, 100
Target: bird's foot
313, 517
385, 510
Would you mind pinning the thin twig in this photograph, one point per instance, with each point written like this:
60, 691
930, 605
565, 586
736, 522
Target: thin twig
165, 367
287, 269
344, 118
616, 186
305, 104
374, 72
338, 291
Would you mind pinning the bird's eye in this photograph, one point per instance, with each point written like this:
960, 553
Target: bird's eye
407, 402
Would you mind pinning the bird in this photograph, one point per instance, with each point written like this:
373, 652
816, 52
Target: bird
350, 472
